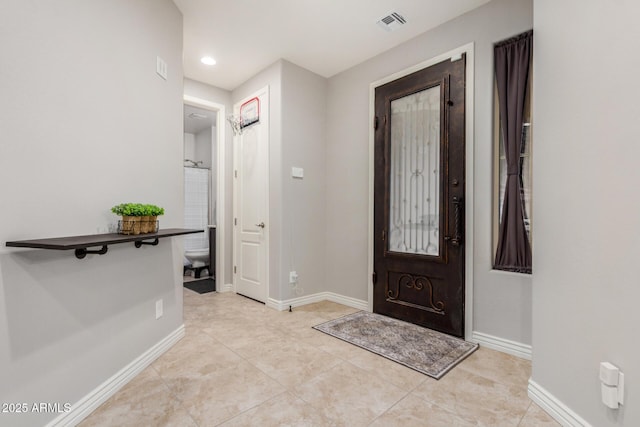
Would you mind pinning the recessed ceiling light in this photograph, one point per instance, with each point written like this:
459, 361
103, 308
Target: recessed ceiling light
207, 60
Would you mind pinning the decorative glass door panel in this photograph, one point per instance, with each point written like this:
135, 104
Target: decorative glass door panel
414, 187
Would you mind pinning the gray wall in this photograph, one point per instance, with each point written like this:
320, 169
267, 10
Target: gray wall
303, 145
223, 97
586, 209
86, 123
203, 145
502, 301
198, 147
296, 207
189, 146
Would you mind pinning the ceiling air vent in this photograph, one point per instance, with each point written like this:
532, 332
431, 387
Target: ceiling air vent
392, 21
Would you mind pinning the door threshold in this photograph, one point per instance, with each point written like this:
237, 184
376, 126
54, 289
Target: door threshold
252, 299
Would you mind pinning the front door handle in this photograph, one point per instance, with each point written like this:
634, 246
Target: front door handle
261, 225
456, 240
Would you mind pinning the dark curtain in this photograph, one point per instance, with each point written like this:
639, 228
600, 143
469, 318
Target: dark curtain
512, 72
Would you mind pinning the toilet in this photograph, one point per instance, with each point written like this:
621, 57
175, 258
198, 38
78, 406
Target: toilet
199, 259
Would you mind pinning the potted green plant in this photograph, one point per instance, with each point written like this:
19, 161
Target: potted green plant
145, 220
131, 214
154, 212
138, 218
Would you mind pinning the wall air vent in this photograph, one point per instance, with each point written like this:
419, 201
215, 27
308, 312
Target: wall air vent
392, 21
197, 116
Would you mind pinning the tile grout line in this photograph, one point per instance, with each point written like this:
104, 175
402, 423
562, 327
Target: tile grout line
304, 400
390, 408
251, 408
285, 387
175, 397
525, 414
211, 316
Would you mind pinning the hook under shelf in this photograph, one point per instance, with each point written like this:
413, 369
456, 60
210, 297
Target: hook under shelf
139, 243
82, 252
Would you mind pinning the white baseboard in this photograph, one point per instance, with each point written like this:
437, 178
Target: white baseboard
227, 287
320, 296
85, 406
554, 407
501, 344
294, 302
348, 301
514, 348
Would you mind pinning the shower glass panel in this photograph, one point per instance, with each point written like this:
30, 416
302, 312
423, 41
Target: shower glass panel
414, 218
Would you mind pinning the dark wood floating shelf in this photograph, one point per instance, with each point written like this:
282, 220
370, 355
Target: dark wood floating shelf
82, 243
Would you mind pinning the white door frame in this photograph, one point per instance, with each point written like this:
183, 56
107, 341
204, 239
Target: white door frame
219, 109
468, 203
266, 230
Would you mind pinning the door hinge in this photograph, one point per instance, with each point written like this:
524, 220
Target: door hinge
374, 277
375, 123
384, 235
235, 270
235, 173
235, 221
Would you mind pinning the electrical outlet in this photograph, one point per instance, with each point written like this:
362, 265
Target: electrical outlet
159, 309
293, 277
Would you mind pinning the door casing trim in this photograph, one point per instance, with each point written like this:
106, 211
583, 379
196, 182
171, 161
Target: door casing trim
219, 158
469, 158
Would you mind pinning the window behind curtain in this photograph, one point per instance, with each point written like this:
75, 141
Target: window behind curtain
519, 251
500, 168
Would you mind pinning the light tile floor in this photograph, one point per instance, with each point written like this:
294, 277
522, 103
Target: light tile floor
243, 364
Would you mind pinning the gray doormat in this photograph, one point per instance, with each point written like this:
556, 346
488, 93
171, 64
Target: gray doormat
430, 352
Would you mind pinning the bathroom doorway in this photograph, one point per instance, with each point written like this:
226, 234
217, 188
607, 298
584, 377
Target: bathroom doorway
203, 159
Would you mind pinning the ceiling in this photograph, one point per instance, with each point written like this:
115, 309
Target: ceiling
324, 36
196, 119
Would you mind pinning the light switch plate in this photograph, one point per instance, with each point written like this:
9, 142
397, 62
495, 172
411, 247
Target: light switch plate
297, 172
161, 67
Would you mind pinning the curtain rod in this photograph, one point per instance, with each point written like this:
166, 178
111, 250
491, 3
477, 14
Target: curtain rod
514, 39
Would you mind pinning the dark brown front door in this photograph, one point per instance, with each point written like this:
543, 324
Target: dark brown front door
419, 198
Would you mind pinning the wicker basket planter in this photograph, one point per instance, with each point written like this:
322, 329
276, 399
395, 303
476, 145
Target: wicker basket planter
148, 224
137, 218
145, 224
130, 225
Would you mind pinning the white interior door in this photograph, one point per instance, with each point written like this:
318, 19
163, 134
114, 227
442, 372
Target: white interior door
251, 196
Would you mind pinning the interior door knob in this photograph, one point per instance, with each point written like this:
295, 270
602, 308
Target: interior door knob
261, 225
